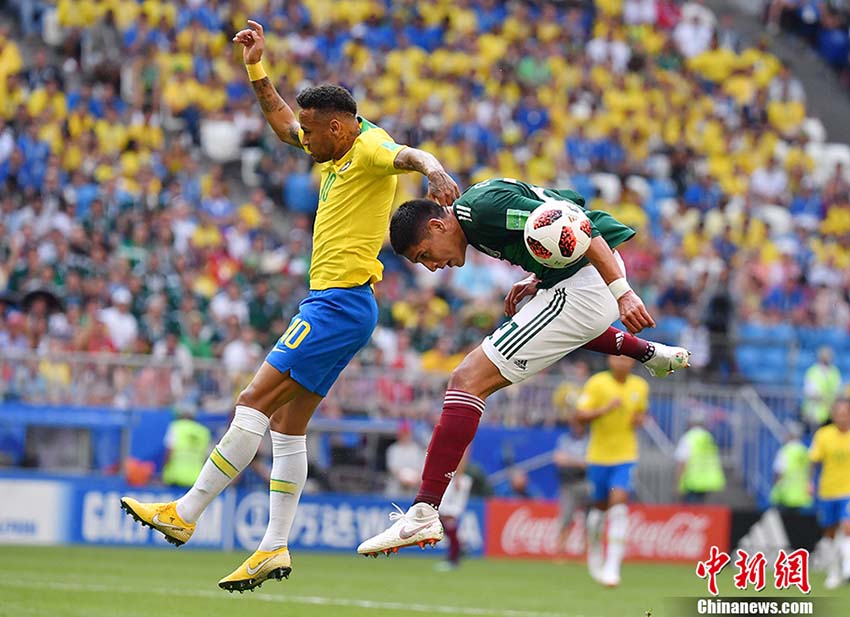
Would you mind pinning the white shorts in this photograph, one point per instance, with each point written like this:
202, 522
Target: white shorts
552, 324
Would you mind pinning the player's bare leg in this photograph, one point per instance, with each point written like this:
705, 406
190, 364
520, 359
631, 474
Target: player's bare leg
268, 391
272, 560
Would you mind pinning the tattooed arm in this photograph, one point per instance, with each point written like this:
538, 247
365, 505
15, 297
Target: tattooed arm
441, 187
278, 114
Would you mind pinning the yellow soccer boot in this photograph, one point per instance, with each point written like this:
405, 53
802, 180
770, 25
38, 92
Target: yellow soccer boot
160, 516
257, 569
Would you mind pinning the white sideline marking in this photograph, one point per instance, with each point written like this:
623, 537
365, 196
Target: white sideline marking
287, 599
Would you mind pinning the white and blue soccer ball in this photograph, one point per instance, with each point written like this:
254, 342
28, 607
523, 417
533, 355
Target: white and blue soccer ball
557, 234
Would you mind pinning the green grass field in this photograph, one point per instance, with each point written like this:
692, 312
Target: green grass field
120, 582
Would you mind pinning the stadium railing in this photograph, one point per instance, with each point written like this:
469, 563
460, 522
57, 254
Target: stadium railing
369, 400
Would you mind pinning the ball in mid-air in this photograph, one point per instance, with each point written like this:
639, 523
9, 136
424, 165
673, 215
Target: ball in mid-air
557, 233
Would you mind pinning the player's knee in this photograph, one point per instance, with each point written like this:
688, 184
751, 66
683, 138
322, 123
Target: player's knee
249, 397
476, 375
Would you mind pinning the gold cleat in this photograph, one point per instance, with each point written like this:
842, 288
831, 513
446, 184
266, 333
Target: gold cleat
160, 516
257, 569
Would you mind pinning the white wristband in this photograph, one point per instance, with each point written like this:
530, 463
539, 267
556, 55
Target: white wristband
619, 288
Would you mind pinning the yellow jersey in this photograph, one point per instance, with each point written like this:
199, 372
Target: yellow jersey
613, 439
831, 447
355, 200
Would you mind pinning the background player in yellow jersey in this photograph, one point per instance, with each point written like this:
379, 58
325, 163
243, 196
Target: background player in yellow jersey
359, 162
614, 402
830, 451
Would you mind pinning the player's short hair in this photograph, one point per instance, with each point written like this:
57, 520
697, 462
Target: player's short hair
407, 227
327, 97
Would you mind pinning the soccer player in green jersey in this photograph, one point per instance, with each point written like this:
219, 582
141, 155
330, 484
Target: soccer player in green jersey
569, 308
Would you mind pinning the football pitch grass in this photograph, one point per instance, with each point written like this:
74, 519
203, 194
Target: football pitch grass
122, 582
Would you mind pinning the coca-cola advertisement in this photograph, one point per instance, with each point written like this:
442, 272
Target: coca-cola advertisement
526, 528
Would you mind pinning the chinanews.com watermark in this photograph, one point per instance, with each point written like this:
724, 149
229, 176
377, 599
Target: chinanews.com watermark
756, 574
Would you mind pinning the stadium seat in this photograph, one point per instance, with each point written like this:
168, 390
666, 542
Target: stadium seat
250, 158
220, 140
814, 130
813, 338
640, 186
750, 333
608, 185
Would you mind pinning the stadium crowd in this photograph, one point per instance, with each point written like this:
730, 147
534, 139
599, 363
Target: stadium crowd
118, 235
824, 25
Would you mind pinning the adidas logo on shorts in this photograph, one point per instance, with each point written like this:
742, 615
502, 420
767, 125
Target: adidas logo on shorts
521, 364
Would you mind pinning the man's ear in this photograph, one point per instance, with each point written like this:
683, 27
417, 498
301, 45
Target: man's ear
437, 225
334, 125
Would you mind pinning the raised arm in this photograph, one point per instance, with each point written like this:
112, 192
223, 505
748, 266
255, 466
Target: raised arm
278, 114
633, 313
441, 187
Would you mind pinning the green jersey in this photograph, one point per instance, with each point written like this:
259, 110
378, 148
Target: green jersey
492, 215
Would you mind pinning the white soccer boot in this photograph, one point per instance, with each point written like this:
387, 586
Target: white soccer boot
667, 359
834, 580
419, 526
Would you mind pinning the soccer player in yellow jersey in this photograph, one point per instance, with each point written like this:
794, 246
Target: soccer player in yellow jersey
615, 403
359, 163
830, 451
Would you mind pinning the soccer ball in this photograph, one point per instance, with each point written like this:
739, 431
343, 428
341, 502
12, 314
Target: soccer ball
557, 233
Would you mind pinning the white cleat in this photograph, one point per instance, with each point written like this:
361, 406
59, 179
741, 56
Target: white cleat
595, 564
667, 359
609, 579
419, 526
834, 580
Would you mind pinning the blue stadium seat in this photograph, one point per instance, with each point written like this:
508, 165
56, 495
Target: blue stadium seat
805, 358
812, 338
755, 333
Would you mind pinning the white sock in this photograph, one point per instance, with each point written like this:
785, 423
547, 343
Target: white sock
618, 521
833, 556
232, 454
594, 523
289, 472
844, 549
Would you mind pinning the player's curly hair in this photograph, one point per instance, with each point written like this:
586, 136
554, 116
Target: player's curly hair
327, 97
407, 227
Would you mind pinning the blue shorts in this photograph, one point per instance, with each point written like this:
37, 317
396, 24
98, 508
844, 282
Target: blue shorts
603, 478
331, 326
832, 511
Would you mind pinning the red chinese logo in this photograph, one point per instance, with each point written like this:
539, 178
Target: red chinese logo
711, 567
750, 570
792, 569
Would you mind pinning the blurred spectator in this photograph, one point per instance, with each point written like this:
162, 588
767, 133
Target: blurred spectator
769, 184
574, 490
242, 354
405, 458
120, 323
451, 509
821, 388
187, 445
519, 486
696, 338
791, 470
676, 299
699, 470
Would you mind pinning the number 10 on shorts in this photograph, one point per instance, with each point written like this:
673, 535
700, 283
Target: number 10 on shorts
295, 333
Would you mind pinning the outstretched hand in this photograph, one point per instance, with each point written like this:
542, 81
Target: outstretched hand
253, 40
